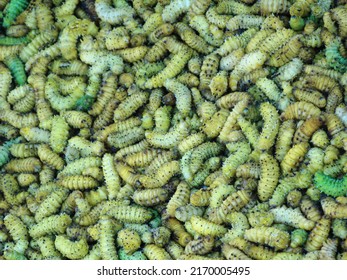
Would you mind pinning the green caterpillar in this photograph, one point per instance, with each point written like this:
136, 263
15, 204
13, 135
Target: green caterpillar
13, 10
329, 185
138, 255
334, 57
16, 66
11, 41
84, 103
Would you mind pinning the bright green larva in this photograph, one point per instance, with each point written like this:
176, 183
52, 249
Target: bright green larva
16, 66
334, 57
298, 238
330, 186
13, 10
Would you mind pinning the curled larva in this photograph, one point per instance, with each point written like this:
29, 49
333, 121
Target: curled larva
247, 64
179, 198
293, 157
331, 186
73, 250
182, 95
130, 105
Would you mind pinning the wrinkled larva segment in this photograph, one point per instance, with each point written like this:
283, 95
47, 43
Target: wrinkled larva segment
269, 175
268, 7
184, 129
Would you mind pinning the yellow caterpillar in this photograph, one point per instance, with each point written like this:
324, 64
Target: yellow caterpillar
130, 105
129, 239
73, 250
50, 158
78, 182
179, 198
173, 68
293, 157
236, 42
300, 110
247, 64
318, 235
252, 250
77, 166
25, 165
55, 224
192, 39
51, 204
23, 150
270, 127
150, 197
59, 134
179, 232
170, 139
269, 175
214, 125
239, 224
106, 239
205, 227
239, 153
270, 236
154, 252
182, 95
164, 173
200, 246
18, 232
130, 214
333, 209
161, 236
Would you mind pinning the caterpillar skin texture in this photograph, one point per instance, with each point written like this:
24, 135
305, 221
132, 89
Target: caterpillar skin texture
271, 126
14, 8
185, 129
269, 175
269, 236
73, 250
329, 185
